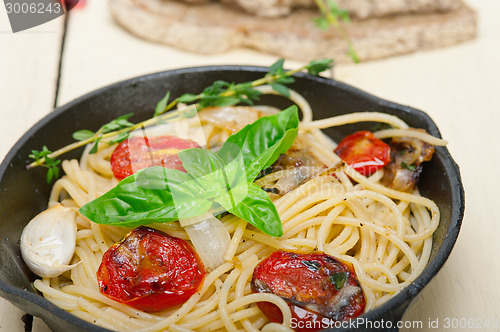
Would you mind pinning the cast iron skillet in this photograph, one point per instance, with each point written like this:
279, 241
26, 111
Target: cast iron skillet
23, 194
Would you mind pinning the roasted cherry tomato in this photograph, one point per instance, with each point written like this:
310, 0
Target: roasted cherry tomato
364, 152
137, 153
318, 288
150, 270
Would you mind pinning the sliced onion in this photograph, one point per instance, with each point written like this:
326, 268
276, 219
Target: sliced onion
209, 237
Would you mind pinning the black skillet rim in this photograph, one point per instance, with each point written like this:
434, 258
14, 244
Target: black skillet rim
391, 310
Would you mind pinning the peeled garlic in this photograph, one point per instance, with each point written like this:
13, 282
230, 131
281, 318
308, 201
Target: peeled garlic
48, 241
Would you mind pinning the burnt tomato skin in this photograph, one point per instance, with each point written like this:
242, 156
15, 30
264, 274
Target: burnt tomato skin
364, 152
150, 270
136, 153
308, 282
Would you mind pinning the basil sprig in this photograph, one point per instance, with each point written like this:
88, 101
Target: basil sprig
214, 181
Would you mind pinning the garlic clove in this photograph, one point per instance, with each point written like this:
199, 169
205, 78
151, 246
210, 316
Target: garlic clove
48, 241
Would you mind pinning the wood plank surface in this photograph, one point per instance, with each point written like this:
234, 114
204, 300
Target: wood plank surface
29, 63
98, 52
456, 86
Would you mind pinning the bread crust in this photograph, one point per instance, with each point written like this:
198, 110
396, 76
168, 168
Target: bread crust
358, 9
212, 27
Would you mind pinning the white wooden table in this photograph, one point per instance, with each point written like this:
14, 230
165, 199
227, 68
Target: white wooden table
458, 87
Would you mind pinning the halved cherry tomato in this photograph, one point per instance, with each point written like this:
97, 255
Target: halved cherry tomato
364, 152
150, 270
318, 288
137, 153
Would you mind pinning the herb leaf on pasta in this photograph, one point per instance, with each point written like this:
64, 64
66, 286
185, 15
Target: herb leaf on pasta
213, 180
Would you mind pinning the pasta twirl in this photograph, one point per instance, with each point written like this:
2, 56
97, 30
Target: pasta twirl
385, 234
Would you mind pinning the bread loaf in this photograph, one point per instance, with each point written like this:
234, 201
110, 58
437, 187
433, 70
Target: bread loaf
358, 9
212, 27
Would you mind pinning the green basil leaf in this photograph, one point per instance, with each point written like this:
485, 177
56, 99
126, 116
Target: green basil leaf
233, 197
235, 170
227, 182
235, 176
154, 194
207, 169
199, 162
160, 194
263, 141
258, 209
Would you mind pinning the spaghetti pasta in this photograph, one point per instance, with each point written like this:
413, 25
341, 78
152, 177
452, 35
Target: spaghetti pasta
385, 234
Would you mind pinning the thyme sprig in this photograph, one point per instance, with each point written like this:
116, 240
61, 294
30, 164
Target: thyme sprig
119, 123
331, 15
48, 162
220, 93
